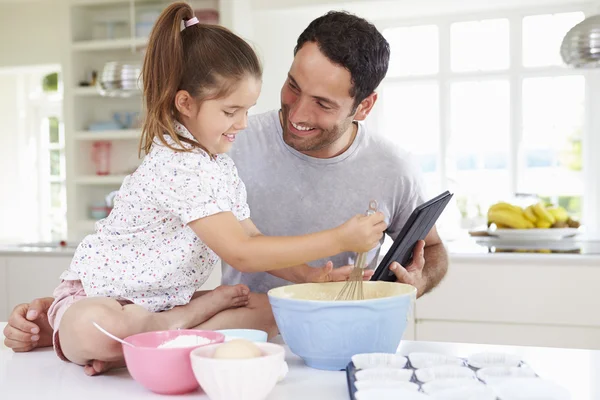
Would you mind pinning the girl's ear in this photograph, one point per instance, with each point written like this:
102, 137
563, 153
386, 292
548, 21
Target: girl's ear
184, 103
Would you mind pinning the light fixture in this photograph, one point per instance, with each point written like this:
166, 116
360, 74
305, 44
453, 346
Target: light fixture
580, 47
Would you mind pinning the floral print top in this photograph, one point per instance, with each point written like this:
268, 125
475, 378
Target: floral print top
144, 251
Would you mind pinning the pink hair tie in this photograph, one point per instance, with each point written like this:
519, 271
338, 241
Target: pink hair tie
191, 21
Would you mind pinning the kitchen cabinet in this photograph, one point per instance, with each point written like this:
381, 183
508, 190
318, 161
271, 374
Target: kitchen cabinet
509, 334
522, 300
26, 276
29, 277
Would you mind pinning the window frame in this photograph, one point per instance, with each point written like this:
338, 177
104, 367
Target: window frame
515, 73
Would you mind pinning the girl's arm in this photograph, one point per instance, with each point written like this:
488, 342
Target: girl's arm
249, 251
303, 273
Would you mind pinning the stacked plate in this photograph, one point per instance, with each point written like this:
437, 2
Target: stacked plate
120, 79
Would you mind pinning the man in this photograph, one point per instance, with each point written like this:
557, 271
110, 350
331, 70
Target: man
311, 164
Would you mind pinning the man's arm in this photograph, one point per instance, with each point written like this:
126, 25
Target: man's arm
436, 260
28, 326
428, 267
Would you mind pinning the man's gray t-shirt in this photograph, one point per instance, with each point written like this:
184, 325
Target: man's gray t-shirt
290, 193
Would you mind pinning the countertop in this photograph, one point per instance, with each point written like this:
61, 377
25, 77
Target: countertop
576, 249
41, 375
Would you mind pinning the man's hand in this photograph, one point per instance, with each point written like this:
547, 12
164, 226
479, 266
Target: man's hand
28, 326
327, 273
413, 273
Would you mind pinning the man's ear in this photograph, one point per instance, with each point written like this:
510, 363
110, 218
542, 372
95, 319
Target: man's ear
365, 107
184, 103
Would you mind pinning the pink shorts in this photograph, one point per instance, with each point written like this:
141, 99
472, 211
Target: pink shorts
65, 295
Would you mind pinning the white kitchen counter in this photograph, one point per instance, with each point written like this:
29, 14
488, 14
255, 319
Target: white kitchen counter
16, 250
41, 375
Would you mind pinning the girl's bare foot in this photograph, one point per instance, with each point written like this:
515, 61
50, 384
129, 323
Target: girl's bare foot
97, 367
202, 307
221, 298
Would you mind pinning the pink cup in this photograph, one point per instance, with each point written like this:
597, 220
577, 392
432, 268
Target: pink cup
164, 370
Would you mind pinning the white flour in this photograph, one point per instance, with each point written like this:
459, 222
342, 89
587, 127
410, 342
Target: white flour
185, 341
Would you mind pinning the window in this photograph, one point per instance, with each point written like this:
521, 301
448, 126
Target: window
489, 110
33, 150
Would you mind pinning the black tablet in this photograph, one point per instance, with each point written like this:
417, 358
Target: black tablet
417, 227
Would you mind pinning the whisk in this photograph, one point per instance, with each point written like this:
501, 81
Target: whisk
353, 288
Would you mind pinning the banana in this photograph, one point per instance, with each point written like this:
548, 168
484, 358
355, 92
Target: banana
509, 218
542, 214
559, 214
505, 206
530, 215
543, 224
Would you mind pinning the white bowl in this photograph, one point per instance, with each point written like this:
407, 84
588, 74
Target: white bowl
528, 388
233, 379
444, 372
439, 385
466, 393
376, 360
384, 374
496, 374
424, 360
375, 384
390, 394
483, 360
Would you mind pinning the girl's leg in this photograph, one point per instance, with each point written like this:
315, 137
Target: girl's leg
256, 315
83, 344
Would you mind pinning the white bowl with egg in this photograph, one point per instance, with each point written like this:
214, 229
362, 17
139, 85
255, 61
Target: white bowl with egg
238, 369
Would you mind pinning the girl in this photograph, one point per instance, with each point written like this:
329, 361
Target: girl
184, 207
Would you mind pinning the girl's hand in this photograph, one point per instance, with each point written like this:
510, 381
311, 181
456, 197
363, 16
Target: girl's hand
327, 273
361, 233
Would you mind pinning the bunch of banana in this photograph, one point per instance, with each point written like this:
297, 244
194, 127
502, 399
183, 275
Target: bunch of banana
506, 215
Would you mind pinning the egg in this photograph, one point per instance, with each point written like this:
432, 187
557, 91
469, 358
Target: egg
237, 349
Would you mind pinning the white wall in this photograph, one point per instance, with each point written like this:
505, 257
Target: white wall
30, 33
275, 35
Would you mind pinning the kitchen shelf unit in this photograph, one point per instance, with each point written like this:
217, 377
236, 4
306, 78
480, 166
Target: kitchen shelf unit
101, 31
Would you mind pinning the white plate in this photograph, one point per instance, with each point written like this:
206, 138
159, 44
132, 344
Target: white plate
546, 234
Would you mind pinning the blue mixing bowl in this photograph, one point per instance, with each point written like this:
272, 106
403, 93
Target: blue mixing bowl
327, 333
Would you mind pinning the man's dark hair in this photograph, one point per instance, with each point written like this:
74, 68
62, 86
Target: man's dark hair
355, 44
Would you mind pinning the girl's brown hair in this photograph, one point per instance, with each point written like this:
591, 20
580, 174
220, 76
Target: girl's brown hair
205, 60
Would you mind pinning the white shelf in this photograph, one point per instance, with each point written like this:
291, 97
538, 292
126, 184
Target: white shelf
100, 179
124, 134
98, 2
85, 91
111, 44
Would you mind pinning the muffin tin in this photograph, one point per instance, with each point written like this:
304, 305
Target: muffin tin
437, 376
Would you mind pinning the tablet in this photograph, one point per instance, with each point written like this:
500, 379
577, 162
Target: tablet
417, 227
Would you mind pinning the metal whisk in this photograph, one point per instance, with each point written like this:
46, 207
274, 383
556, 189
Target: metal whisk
353, 288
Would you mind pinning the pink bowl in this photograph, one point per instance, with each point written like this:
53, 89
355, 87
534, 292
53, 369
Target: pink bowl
164, 370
